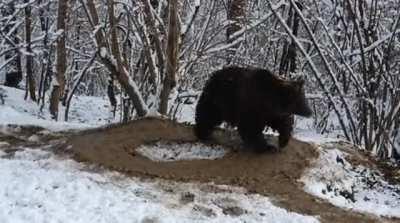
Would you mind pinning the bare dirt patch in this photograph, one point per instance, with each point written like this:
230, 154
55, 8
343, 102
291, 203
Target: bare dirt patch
274, 174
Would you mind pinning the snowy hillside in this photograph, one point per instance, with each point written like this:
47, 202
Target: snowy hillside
85, 112
39, 184
356, 187
137, 74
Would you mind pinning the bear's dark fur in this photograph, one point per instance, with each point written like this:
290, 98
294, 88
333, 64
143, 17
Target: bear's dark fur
250, 99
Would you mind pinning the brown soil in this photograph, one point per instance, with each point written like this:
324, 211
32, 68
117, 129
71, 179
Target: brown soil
274, 174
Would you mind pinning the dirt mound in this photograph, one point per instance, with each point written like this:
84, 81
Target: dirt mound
272, 174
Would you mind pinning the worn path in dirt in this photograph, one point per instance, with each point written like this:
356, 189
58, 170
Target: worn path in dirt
271, 174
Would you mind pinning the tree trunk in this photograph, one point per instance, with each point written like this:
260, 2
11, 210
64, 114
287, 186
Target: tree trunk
289, 54
111, 96
58, 82
46, 70
120, 72
172, 55
236, 14
14, 74
30, 80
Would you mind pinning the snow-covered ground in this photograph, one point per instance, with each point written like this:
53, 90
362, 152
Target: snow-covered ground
38, 186
166, 151
85, 112
354, 187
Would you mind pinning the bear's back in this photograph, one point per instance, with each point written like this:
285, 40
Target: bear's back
231, 84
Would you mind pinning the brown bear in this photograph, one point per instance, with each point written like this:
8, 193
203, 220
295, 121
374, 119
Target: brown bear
250, 99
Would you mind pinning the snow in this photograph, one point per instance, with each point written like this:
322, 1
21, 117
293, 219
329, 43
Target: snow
153, 113
9, 115
373, 45
353, 187
85, 112
222, 47
103, 52
38, 186
33, 138
186, 113
304, 130
312, 136
165, 151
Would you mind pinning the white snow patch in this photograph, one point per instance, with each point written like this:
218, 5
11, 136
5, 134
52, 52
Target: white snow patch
85, 112
167, 151
312, 136
304, 130
10, 115
37, 186
103, 52
34, 138
354, 187
153, 113
186, 113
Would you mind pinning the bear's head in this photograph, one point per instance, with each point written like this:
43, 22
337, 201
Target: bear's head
298, 104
